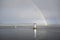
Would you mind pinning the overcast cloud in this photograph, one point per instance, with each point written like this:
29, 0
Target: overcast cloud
24, 11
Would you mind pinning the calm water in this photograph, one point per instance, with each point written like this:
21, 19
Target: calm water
26, 33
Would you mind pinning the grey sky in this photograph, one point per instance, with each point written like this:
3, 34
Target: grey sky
24, 11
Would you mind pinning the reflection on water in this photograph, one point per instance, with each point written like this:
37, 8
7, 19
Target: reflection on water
25, 33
